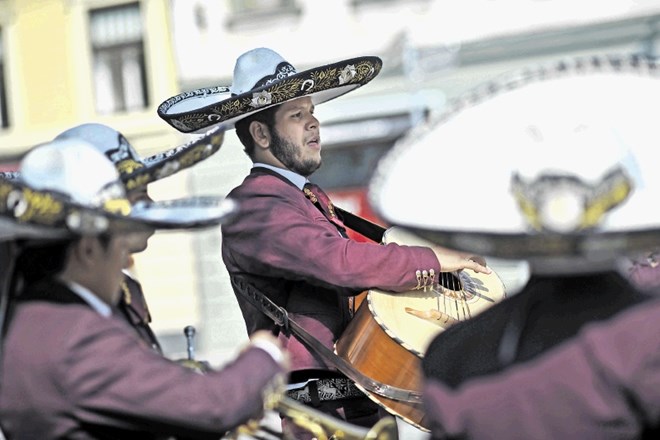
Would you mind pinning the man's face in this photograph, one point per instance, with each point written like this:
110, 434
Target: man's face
296, 140
109, 262
137, 241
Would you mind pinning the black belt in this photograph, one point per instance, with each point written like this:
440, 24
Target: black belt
316, 391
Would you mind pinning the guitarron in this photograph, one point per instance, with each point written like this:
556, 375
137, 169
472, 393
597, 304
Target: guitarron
387, 338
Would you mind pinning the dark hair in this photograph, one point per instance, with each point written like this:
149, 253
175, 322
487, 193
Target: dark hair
41, 260
266, 117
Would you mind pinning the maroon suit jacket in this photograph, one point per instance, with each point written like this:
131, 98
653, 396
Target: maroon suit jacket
603, 384
133, 307
291, 252
68, 372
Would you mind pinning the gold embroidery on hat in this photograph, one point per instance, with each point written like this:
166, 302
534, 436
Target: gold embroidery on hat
117, 206
29, 206
614, 189
128, 166
138, 182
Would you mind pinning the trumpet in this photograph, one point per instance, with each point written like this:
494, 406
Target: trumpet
321, 425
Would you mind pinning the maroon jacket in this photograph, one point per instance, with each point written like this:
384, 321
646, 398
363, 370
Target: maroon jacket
133, 307
291, 252
604, 384
645, 276
68, 372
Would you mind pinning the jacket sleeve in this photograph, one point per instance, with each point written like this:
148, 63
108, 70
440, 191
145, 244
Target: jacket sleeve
281, 234
118, 383
605, 383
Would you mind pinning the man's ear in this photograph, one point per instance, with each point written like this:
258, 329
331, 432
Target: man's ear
260, 134
85, 249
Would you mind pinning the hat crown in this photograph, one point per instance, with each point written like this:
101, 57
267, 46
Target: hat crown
257, 68
73, 168
565, 169
108, 141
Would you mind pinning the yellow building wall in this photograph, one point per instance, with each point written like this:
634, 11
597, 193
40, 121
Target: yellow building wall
49, 86
48, 68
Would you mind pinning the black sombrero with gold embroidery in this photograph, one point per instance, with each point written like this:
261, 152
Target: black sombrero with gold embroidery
135, 171
262, 79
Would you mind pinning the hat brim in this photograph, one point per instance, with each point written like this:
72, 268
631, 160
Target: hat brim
483, 138
29, 214
189, 213
197, 110
167, 163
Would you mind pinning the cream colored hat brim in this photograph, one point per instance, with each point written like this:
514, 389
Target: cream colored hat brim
450, 180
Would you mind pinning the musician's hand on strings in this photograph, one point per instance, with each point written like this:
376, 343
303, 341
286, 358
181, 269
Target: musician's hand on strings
451, 260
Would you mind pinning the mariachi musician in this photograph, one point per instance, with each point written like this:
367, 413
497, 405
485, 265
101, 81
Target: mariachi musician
71, 367
289, 242
132, 304
576, 353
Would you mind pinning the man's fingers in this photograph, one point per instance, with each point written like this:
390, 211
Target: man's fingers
477, 266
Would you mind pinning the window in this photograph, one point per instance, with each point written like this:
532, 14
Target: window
118, 59
248, 14
248, 6
4, 117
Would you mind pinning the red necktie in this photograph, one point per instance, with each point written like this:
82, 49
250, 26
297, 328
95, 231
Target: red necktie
319, 198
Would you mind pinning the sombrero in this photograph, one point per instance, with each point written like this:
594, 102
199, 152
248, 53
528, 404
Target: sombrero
54, 197
262, 79
136, 171
554, 165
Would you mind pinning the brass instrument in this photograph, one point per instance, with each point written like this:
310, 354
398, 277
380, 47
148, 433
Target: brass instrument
199, 366
321, 425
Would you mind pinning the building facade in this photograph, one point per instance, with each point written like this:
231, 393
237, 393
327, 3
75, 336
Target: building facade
65, 62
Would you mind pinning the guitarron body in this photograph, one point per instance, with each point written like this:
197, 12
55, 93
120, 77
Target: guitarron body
387, 338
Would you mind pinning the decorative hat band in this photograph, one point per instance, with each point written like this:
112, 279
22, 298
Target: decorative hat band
198, 110
282, 71
50, 209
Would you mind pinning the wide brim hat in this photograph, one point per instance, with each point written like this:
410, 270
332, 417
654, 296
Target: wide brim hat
53, 196
554, 164
262, 79
136, 171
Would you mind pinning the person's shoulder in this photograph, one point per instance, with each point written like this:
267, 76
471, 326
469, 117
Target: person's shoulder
262, 183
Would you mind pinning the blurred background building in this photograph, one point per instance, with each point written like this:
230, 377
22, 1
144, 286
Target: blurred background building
65, 62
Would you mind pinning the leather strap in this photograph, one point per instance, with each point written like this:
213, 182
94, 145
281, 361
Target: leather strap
361, 225
281, 318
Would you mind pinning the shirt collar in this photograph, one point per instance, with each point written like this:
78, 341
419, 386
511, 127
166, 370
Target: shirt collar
292, 177
94, 301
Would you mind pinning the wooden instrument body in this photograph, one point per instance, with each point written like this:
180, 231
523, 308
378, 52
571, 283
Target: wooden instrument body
376, 355
386, 342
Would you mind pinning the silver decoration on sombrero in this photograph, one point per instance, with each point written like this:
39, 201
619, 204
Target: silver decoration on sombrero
68, 184
586, 125
262, 78
136, 171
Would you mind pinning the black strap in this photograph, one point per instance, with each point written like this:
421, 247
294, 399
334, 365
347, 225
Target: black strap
281, 318
361, 225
